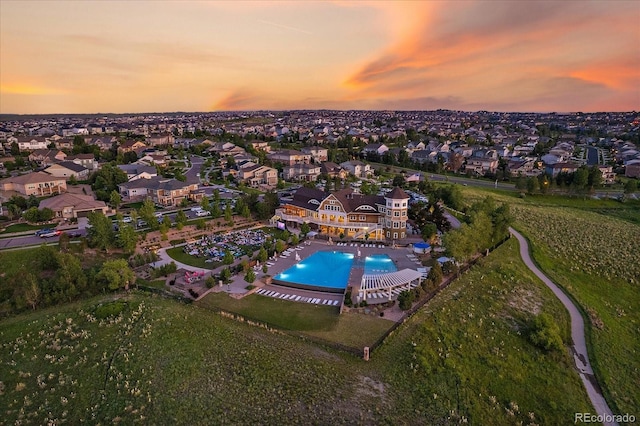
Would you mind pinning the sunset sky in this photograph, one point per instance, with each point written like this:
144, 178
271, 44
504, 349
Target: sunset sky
160, 56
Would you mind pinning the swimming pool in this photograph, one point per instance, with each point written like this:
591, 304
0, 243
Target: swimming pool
378, 264
323, 270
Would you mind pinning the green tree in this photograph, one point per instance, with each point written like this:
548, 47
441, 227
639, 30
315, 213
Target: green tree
116, 274
406, 299
101, 233
63, 242
429, 231
31, 215
228, 258
225, 275
398, 180
630, 186
147, 213
204, 203
106, 180
228, 215
115, 200
280, 245
295, 240
72, 180
181, 219
32, 201
304, 229
69, 280
533, 185
127, 238
31, 290
434, 277
250, 276
262, 255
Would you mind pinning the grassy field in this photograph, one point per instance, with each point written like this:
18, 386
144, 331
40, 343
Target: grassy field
590, 248
138, 358
314, 320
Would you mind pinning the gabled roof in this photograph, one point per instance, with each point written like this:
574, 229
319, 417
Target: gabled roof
308, 198
35, 177
77, 201
68, 165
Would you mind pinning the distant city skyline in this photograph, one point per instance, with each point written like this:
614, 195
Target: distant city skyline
157, 56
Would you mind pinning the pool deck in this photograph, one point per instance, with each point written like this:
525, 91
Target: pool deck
280, 264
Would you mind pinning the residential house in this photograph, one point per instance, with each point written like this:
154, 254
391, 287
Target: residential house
260, 146
31, 144
67, 169
39, 184
46, 157
318, 154
62, 143
301, 172
153, 159
375, 148
131, 146
608, 175
257, 176
555, 169
289, 157
104, 143
357, 168
189, 142
138, 171
164, 191
332, 170
67, 205
160, 139
632, 169
87, 161
481, 166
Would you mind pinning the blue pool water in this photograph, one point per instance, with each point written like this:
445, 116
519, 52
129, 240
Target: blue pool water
379, 264
328, 269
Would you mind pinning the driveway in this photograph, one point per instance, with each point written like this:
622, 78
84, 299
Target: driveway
579, 348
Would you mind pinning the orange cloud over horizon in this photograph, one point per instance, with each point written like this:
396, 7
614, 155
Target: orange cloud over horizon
128, 57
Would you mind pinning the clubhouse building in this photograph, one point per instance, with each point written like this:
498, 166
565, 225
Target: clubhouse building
348, 214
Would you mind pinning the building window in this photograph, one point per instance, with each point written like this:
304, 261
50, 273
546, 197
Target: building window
388, 234
353, 218
396, 205
363, 218
395, 235
402, 234
404, 204
395, 224
404, 213
396, 214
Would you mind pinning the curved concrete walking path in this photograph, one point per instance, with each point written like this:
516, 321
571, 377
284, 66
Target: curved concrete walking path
579, 348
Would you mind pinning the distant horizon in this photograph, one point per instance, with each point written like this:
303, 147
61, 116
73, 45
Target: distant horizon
317, 109
136, 56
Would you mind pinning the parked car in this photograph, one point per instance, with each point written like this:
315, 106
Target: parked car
53, 233
127, 219
43, 231
141, 223
74, 234
202, 213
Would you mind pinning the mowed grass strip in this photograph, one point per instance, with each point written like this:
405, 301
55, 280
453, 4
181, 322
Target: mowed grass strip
178, 254
325, 322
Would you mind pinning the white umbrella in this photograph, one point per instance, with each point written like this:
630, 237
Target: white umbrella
358, 253
297, 257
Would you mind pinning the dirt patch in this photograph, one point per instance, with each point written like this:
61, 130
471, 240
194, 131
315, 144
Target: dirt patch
525, 300
370, 388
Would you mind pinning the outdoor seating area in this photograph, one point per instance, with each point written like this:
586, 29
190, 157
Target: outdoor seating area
384, 287
213, 247
297, 298
363, 245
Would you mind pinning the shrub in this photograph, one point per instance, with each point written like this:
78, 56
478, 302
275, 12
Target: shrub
545, 333
405, 299
210, 282
109, 309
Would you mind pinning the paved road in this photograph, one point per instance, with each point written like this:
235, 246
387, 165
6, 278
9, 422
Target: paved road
579, 348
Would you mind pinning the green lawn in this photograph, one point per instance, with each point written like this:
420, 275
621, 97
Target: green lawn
178, 254
23, 227
315, 320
